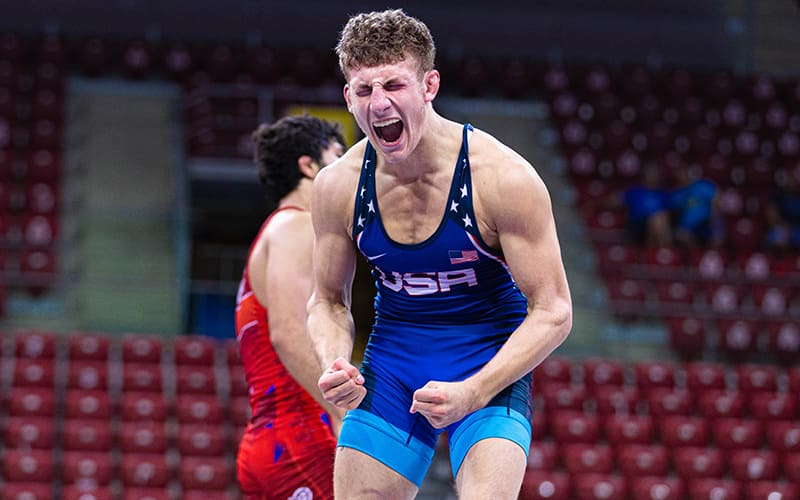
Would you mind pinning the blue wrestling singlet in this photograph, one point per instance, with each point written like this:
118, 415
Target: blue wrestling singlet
443, 308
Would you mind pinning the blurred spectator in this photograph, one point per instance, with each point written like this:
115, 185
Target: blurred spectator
647, 207
782, 214
693, 204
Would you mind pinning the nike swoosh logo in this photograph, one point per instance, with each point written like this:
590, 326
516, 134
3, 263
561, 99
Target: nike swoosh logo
373, 257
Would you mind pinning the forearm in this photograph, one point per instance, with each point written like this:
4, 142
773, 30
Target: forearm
301, 363
542, 331
332, 332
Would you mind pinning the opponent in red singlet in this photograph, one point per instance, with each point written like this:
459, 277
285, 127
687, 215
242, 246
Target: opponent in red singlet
288, 448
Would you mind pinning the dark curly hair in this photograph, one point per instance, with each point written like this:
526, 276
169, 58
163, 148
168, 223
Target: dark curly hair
278, 146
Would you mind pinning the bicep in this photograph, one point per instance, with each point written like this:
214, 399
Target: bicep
334, 258
289, 276
527, 234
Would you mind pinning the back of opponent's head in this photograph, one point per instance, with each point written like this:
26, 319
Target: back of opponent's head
385, 37
279, 147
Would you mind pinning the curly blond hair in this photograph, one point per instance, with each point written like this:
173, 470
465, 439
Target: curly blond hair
385, 37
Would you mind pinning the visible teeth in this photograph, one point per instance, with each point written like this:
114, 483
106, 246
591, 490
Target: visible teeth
386, 123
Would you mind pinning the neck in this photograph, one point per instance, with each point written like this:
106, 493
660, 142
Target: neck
299, 197
427, 156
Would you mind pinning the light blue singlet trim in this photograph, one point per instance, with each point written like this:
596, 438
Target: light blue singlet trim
490, 422
405, 454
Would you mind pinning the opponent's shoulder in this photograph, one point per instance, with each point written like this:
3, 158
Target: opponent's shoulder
344, 172
287, 223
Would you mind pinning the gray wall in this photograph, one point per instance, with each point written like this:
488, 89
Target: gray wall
680, 32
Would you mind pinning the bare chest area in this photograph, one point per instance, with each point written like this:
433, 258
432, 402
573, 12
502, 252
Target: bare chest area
411, 213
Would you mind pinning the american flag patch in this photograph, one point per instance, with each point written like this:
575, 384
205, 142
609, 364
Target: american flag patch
462, 256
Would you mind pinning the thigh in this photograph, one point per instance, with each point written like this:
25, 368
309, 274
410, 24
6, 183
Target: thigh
493, 468
359, 476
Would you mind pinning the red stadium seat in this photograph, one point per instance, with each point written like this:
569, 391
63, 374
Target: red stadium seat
142, 377
772, 301
774, 406
86, 346
199, 409
34, 373
29, 432
209, 495
141, 348
703, 376
145, 470
34, 344
87, 491
31, 402
682, 431
539, 420
543, 455
581, 458
88, 435
791, 467
545, 485
687, 335
28, 466
206, 473
149, 405
87, 468
662, 401
721, 489
735, 433
660, 487
196, 380
737, 337
594, 486
721, 404
794, 379
201, 440
629, 429
80, 404
612, 399
784, 340
723, 298
771, 489
651, 374
562, 396
552, 369
143, 437
27, 491
146, 493
194, 350
637, 460
754, 465
698, 462
88, 375
601, 371
753, 378
569, 426
784, 436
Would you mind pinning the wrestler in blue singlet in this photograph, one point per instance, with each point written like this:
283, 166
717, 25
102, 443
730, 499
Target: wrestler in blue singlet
444, 307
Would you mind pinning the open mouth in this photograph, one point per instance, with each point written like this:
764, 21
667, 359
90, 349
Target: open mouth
388, 131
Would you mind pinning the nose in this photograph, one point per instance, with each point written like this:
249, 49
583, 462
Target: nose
378, 99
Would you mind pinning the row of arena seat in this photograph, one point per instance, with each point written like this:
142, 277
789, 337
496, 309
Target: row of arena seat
90, 415
670, 430
32, 104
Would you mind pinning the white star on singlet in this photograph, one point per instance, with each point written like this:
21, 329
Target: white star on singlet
453, 206
464, 191
363, 190
360, 221
371, 206
467, 221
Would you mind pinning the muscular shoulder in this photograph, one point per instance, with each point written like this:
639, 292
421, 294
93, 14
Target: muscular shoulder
335, 187
502, 177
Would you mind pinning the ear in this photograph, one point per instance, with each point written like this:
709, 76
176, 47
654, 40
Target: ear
308, 167
432, 80
346, 91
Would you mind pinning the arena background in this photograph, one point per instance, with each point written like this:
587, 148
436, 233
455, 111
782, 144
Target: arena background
128, 200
